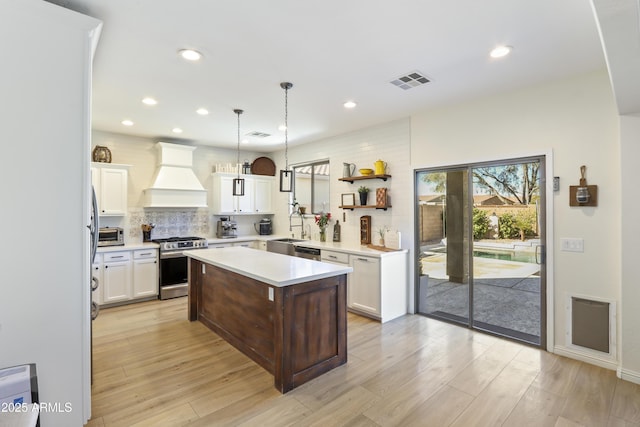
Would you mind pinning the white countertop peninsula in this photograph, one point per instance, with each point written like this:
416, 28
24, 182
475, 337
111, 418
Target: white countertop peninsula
274, 269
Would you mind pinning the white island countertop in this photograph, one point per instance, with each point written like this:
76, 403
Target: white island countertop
268, 267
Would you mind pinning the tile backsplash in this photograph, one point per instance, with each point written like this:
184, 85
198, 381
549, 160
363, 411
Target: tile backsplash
187, 222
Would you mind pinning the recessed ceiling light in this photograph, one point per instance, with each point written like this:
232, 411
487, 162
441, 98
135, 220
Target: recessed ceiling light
282, 128
149, 101
245, 141
349, 104
190, 54
176, 130
127, 122
202, 111
500, 51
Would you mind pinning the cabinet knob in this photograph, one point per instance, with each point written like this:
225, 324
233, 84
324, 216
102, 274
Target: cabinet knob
106, 266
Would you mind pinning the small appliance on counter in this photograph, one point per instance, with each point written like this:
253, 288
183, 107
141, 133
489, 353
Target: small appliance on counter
110, 236
226, 228
264, 227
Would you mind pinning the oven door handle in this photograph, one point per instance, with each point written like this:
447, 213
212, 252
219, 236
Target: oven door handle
167, 255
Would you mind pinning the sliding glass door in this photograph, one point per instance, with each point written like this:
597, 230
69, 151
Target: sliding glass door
480, 230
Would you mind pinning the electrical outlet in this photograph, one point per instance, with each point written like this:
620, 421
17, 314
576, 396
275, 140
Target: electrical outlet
572, 245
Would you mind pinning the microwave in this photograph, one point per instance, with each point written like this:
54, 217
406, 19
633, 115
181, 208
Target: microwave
110, 236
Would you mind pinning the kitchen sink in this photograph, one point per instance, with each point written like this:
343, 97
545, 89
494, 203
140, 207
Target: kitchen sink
282, 246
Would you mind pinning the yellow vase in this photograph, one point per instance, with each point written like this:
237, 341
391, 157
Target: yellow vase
380, 167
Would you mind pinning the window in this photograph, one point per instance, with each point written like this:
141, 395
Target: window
311, 186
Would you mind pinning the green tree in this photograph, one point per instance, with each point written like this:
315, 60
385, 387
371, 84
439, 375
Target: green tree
517, 181
480, 223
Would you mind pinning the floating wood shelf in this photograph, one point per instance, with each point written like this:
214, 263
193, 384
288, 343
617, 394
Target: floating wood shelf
359, 178
352, 207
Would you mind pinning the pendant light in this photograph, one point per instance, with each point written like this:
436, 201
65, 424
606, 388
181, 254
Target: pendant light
286, 175
238, 183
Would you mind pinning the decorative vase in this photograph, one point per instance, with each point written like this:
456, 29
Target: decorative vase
382, 241
363, 198
323, 234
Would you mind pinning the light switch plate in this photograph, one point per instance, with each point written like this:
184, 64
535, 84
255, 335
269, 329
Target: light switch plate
571, 244
556, 183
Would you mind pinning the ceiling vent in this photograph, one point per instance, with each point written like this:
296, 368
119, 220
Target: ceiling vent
410, 80
257, 134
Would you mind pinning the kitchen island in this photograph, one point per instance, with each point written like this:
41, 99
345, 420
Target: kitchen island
287, 314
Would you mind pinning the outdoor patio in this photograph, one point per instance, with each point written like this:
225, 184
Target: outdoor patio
506, 295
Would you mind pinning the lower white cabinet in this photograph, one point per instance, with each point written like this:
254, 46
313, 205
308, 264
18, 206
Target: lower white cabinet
220, 245
145, 273
364, 285
377, 287
126, 276
116, 277
249, 244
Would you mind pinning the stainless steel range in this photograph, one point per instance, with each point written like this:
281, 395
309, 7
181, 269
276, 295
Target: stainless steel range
173, 264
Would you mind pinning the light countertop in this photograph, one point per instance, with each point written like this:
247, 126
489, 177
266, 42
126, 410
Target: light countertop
345, 247
128, 247
271, 268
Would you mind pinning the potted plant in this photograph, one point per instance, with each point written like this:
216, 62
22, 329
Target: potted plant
364, 194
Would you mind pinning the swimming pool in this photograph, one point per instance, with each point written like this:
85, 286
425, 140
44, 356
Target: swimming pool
506, 255
518, 256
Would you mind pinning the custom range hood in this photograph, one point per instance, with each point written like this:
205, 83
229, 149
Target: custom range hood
174, 184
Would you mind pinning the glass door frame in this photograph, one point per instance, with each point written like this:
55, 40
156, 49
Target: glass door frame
544, 229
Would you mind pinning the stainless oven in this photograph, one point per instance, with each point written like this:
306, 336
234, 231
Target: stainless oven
174, 265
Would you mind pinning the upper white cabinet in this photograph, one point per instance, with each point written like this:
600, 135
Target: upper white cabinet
263, 194
110, 184
257, 197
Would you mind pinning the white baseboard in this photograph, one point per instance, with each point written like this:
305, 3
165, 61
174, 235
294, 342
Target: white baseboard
592, 359
629, 375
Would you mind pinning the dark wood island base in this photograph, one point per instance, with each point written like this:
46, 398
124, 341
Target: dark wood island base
296, 332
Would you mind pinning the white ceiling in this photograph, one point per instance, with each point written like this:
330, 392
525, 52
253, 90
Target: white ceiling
331, 50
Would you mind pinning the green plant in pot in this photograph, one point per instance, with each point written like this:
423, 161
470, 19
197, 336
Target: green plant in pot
364, 194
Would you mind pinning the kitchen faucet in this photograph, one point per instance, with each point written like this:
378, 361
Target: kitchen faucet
301, 225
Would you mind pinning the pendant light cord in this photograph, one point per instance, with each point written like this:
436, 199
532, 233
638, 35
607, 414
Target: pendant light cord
286, 128
238, 112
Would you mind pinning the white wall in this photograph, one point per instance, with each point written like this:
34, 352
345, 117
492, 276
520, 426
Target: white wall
574, 118
44, 288
388, 142
630, 310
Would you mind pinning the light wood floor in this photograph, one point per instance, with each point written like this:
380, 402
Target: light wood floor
152, 367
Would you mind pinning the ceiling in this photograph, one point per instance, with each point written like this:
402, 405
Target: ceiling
332, 51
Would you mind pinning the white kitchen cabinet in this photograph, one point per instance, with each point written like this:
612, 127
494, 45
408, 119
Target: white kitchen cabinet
377, 287
263, 194
248, 244
257, 197
110, 184
116, 277
145, 273
334, 257
97, 272
261, 244
364, 285
126, 276
220, 245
